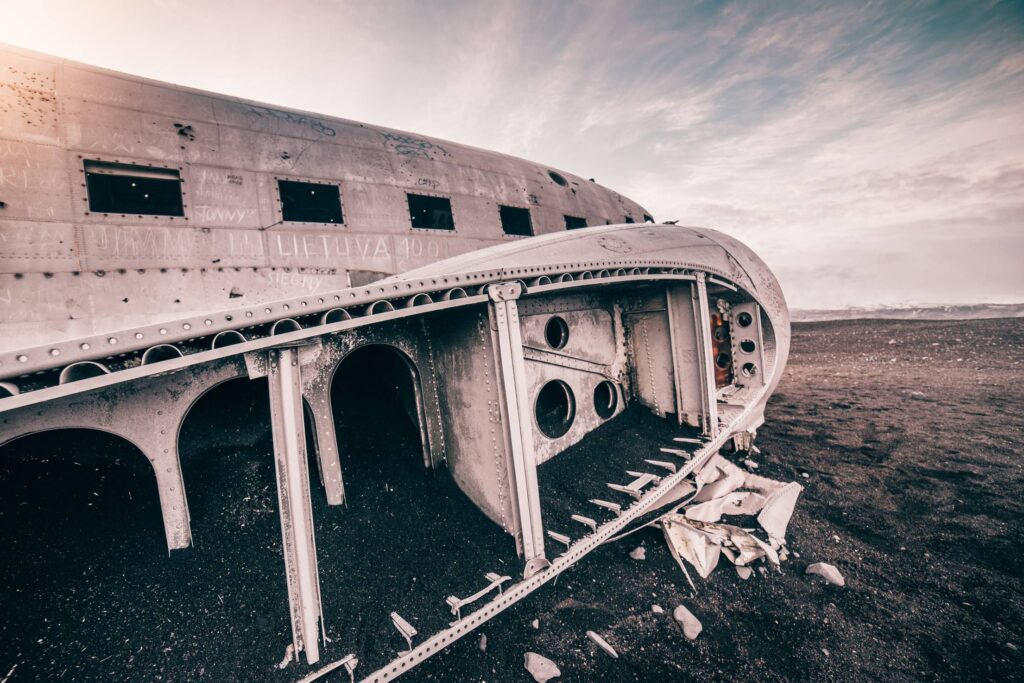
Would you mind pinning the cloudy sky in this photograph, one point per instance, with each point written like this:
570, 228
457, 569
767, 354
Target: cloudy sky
873, 153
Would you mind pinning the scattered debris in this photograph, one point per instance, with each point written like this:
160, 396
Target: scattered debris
691, 624
541, 668
744, 572
638, 553
750, 464
917, 395
827, 572
289, 654
349, 662
483, 642
603, 644
535, 623
778, 509
805, 475
404, 627
657, 609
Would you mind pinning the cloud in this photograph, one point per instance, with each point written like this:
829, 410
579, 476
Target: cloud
871, 152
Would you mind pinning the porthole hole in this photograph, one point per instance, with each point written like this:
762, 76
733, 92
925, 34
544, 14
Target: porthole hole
722, 360
744, 319
606, 399
556, 332
555, 409
748, 346
749, 370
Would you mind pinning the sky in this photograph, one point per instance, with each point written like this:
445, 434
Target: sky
871, 152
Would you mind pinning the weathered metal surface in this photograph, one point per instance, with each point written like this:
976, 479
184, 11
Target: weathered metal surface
613, 314
232, 245
294, 504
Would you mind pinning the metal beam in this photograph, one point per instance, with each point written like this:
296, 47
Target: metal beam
291, 465
518, 421
709, 394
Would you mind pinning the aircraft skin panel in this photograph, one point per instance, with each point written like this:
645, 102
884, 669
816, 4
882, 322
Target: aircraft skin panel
230, 155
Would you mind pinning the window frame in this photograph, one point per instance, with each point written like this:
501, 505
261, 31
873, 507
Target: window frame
432, 195
529, 219
172, 173
279, 201
565, 220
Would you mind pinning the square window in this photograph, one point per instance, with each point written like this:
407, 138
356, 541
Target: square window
139, 190
515, 221
575, 222
433, 213
629, 219
310, 202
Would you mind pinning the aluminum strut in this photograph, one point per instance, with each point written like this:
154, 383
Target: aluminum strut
291, 466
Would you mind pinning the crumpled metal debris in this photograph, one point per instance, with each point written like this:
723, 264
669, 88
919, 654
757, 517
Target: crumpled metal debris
695, 534
638, 553
540, 667
827, 572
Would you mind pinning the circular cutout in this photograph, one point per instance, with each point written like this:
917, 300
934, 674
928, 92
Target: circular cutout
720, 334
606, 399
722, 360
744, 319
558, 178
556, 332
555, 409
749, 369
748, 346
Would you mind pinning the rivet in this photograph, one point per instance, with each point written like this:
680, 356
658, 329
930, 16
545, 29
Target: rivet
163, 330
187, 326
22, 358
112, 340
54, 352
84, 346
138, 335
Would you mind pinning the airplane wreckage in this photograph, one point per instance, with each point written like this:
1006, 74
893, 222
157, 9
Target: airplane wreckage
158, 241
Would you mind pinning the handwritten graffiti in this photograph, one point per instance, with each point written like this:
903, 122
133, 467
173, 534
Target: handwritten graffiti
291, 117
409, 146
427, 182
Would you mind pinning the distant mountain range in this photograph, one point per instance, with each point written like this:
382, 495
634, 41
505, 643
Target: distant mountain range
912, 312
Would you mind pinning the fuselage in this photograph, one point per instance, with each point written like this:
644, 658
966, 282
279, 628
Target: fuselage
127, 200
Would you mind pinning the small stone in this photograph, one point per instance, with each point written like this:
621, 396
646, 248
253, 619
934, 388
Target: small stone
540, 667
744, 572
917, 395
483, 642
827, 572
638, 553
657, 609
751, 465
805, 475
1011, 646
535, 623
825, 652
691, 624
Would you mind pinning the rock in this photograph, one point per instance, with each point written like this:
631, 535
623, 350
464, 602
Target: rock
535, 623
657, 609
1011, 646
805, 475
917, 395
540, 667
827, 572
638, 553
483, 642
744, 572
691, 624
751, 465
